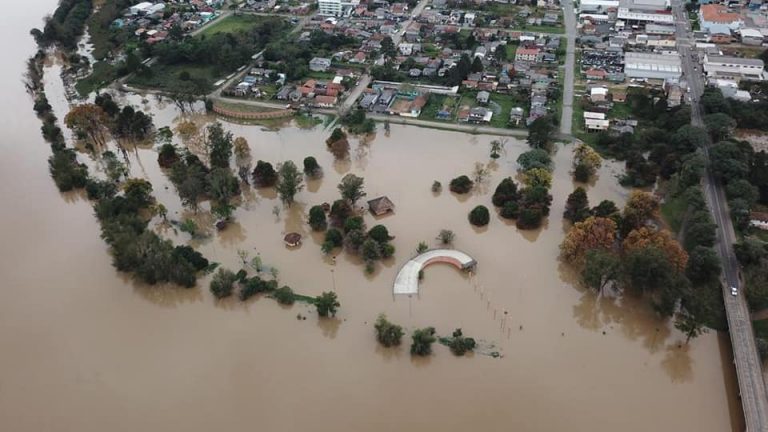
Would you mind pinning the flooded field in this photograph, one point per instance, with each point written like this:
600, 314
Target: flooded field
86, 349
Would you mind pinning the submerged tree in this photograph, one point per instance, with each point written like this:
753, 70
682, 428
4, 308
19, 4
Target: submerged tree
88, 121
317, 218
387, 333
312, 168
577, 206
326, 304
264, 174
223, 283
497, 148
422, 341
220, 145
351, 188
289, 183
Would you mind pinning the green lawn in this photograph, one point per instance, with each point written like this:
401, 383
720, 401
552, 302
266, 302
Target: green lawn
511, 50
506, 102
321, 75
231, 24
168, 77
543, 29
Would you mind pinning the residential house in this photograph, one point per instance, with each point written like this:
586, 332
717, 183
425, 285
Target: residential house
325, 101
720, 34
598, 94
595, 74
319, 64
516, 115
595, 121
480, 115
527, 54
483, 97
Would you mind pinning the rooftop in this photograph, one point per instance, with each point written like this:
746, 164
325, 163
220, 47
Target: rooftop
718, 13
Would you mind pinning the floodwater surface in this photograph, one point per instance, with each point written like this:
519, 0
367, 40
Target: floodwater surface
84, 348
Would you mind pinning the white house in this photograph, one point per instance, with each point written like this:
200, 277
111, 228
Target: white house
142, 8
336, 7
595, 121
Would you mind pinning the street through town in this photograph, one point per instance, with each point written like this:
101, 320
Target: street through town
569, 17
752, 389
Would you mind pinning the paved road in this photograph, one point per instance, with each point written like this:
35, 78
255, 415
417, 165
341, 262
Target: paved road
754, 398
569, 16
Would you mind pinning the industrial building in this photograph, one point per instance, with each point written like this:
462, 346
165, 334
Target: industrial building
652, 66
736, 68
645, 11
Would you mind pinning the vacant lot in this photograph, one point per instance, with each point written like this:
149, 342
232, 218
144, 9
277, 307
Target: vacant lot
231, 24
182, 78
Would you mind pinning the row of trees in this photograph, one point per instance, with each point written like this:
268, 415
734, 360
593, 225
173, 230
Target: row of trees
225, 283
66, 25
389, 335
625, 251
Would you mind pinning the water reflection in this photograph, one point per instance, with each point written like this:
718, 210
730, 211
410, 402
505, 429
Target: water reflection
677, 362
167, 296
329, 326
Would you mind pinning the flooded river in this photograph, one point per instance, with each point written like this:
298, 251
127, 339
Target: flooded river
86, 349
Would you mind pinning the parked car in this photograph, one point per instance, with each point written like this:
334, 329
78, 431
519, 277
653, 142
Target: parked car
734, 291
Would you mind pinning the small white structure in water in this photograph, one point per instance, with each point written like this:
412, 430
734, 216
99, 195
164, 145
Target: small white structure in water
407, 280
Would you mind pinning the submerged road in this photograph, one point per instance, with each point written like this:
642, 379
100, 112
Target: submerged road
569, 17
754, 398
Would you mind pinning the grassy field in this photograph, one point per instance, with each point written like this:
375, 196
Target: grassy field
244, 108
103, 73
673, 212
167, 77
231, 24
620, 110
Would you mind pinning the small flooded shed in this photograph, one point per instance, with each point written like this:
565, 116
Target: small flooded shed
381, 206
292, 239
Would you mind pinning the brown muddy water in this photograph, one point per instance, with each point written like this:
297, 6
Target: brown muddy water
86, 349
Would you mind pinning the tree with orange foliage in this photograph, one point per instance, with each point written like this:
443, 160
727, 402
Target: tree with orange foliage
591, 234
641, 207
88, 120
646, 237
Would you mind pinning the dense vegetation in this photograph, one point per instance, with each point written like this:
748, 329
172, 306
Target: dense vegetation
293, 58
625, 252
652, 151
66, 25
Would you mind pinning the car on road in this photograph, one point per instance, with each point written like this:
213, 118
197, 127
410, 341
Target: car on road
734, 291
